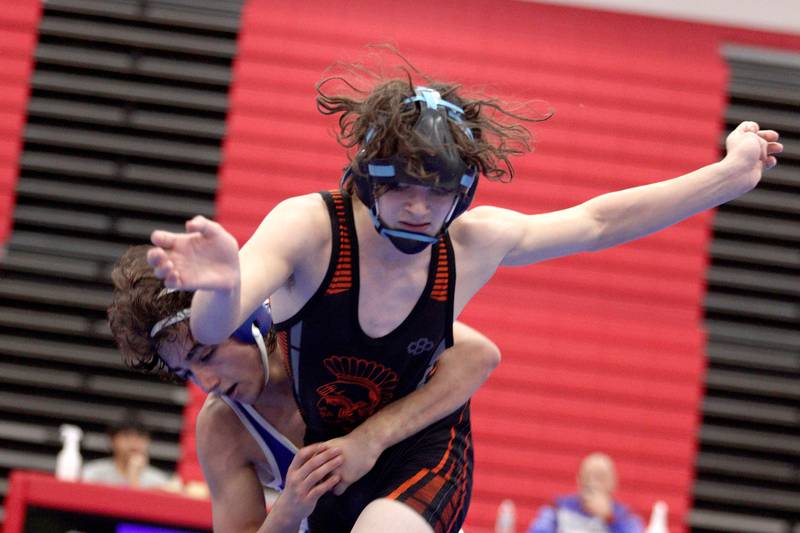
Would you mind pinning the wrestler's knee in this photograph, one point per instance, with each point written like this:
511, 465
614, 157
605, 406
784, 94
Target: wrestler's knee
390, 516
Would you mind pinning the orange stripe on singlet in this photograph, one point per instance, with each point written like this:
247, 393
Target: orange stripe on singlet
462, 492
342, 276
425, 471
442, 276
446, 452
428, 493
283, 343
410, 481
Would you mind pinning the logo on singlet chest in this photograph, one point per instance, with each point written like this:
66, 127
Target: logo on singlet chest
419, 346
360, 388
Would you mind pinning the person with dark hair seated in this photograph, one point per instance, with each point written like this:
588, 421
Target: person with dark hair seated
129, 464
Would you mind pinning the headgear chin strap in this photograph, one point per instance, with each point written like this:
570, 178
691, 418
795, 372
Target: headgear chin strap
252, 331
453, 174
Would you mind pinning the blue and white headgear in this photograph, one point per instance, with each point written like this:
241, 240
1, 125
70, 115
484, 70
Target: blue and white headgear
252, 331
453, 173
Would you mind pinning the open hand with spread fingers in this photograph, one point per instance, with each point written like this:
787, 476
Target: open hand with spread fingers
205, 257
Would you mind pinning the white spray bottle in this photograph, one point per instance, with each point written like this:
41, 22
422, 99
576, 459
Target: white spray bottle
506, 517
658, 518
69, 461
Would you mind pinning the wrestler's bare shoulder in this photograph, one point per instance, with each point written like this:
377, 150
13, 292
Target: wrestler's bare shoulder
307, 211
484, 227
218, 425
303, 216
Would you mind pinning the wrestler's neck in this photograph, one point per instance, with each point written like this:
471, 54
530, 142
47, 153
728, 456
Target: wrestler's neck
278, 391
276, 404
378, 249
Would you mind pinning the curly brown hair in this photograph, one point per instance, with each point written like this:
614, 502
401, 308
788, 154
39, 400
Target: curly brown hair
497, 131
138, 303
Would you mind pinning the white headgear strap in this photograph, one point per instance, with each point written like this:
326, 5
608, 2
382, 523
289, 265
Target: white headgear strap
180, 316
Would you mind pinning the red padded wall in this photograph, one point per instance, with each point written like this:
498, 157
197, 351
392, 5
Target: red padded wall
601, 351
18, 37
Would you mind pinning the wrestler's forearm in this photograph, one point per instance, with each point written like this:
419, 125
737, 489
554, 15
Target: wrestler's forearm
274, 523
461, 371
278, 522
215, 314
633, 213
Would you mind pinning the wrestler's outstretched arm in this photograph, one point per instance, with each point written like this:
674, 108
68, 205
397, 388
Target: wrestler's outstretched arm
230, 283
511, 238
237, 497
461, 370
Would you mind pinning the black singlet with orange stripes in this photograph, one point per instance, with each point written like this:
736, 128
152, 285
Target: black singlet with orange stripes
340, 375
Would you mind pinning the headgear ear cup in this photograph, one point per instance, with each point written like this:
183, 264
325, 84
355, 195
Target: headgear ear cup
261, 318
254, 330
465, 197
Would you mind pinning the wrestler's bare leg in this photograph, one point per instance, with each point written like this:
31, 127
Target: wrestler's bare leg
390, 516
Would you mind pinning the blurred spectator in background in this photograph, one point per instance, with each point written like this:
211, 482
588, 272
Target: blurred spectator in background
129, 464
593, 509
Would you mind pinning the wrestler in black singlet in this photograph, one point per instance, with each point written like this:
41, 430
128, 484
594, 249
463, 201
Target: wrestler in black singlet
341, 376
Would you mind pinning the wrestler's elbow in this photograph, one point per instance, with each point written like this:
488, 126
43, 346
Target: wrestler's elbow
490, 356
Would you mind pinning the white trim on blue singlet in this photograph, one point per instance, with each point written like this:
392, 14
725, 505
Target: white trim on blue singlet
277, 482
